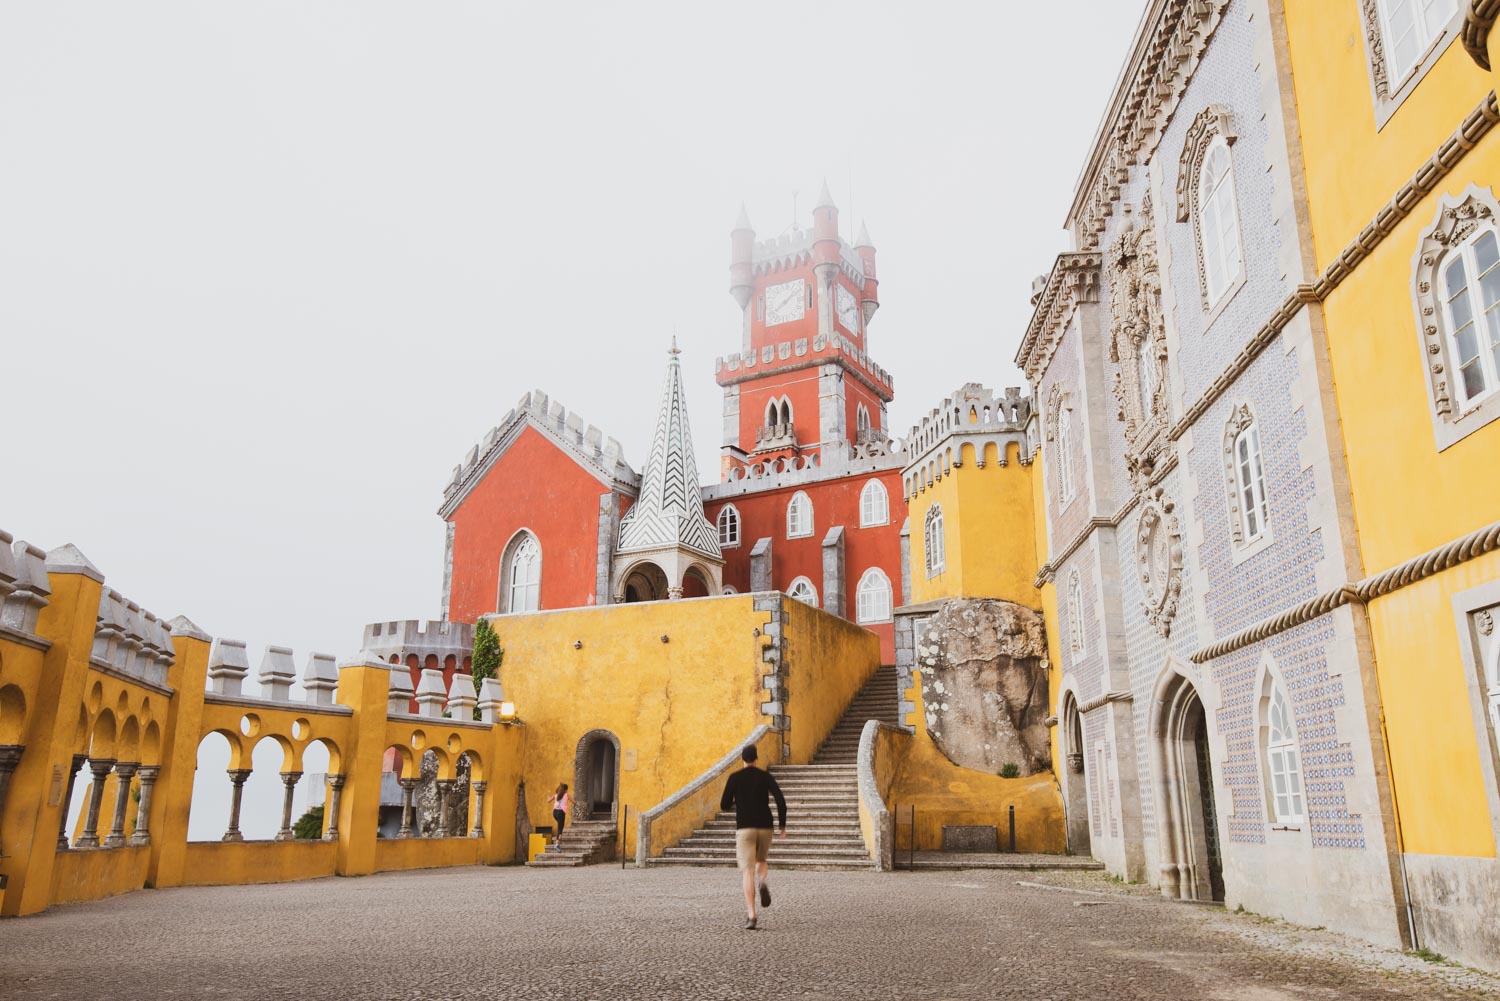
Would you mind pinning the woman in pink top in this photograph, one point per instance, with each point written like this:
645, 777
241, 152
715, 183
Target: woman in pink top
561, 804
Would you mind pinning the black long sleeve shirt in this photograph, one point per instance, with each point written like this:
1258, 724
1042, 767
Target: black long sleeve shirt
748, 791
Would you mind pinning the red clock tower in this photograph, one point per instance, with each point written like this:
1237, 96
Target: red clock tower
803, 379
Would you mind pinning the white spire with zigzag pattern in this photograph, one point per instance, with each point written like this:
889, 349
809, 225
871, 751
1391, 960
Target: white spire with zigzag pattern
669, 510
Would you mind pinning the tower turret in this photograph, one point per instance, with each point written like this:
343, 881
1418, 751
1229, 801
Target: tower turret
869, 299
741, 251
826, 252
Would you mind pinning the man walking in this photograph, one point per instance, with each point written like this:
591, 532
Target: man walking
748, 791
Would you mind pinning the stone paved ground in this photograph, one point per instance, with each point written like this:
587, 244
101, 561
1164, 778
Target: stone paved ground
606, 933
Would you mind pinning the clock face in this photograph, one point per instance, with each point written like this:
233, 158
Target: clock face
847, 308
786, 302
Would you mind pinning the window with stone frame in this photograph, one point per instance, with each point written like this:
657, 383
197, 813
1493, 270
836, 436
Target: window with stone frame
729, 527
1066, 460
802, 589
1075, 613
1246, 478
1282, 760
521, 576
874, 505
799, 516
1403, 39
933, 544
1206, 197
873, 597
1457, 291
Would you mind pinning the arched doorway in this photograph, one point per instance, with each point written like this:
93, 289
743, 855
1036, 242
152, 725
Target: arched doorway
696, 583
645, 582
1192, 866
1075, 778
596, 776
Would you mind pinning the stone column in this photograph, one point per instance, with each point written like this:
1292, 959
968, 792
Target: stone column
124, 772
238, 777
90, 837
336, 783
142, 833
62, 821
288, 779
407, 787
479, 788
10, 756
444, 787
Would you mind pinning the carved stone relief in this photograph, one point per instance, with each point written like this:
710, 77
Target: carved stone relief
1158, 547
1138, 343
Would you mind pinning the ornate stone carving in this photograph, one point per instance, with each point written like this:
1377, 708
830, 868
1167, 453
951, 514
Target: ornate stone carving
1137, 341
1158, 547
1375, 45
1456, 220
1211, 121
1485, 620
1239, 419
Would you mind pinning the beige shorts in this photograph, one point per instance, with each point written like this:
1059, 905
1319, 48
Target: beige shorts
752, 845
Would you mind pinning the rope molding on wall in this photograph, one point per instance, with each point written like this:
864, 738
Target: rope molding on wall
1460, 551
1475, 33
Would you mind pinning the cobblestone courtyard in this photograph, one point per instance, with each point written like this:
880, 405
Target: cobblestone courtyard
606, 933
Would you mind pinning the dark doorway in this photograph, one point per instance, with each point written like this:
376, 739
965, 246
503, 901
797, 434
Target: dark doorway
1210, 817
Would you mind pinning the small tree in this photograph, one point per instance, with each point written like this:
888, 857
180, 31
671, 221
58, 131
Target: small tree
309, 826
488, 653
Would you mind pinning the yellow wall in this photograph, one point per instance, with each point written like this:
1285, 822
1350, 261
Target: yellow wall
944, 793
828, 662
990, 539
1383, 400
217, 863
697, 808
679, 705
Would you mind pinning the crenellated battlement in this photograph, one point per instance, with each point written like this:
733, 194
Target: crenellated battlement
787, 355
972, 418
834, 460
600, 453
420, 637
130, 640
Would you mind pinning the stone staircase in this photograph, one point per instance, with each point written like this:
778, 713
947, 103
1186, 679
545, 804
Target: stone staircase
583, 842
822, 798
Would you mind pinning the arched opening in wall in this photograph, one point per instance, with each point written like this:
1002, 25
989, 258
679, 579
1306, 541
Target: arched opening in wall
208, 811
12, 714
596, 779
645, 582
696, 583
430, 663
1075, 779
77, 791
260, 803
1192, 864
319, 760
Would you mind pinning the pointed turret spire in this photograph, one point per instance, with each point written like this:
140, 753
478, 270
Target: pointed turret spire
743, 222
668, 514
863, 240
825, 200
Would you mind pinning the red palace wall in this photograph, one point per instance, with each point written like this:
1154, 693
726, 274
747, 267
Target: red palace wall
835, 502
537, 486
800, 387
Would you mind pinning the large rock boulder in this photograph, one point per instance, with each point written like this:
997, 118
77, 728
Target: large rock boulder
984, 685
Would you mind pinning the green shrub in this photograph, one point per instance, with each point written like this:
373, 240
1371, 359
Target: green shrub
488, 653
309, 826
1010, 770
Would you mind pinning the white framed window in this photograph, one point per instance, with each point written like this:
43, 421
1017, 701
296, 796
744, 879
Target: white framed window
726, 589
873, 597
1283, 761
1218, 223
932, 541
874, 505
802, 589
799, 516
522, 582
1407, 30
779, 412
1075, 613
1065, 459
1145, 377
1250, 483
729, 526
1471, 314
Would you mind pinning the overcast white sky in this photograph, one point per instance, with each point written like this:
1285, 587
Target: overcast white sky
268, 270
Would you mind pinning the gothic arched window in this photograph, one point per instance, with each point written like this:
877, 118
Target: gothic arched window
802, 589
1218, 223
932, 541
521, 575
799, 516
1283, 762
1065, 456
1075, 613
729, 527
1248, 509
874, 505
873, 597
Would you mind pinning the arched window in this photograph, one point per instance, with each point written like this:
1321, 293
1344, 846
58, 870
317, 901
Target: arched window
726, 589
1471, 314
1218, 222
771, 413
521, 583
803, 590
1283, 764
799, 516
1408, 29
1065, 460
932, 539
873, 598
1075, 613
786, 410
729, 526
874, 505
862, 423
1247, 478
1145, 377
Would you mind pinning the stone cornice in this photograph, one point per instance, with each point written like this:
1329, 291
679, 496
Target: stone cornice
1478, 20
1073, 279
1471, 546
